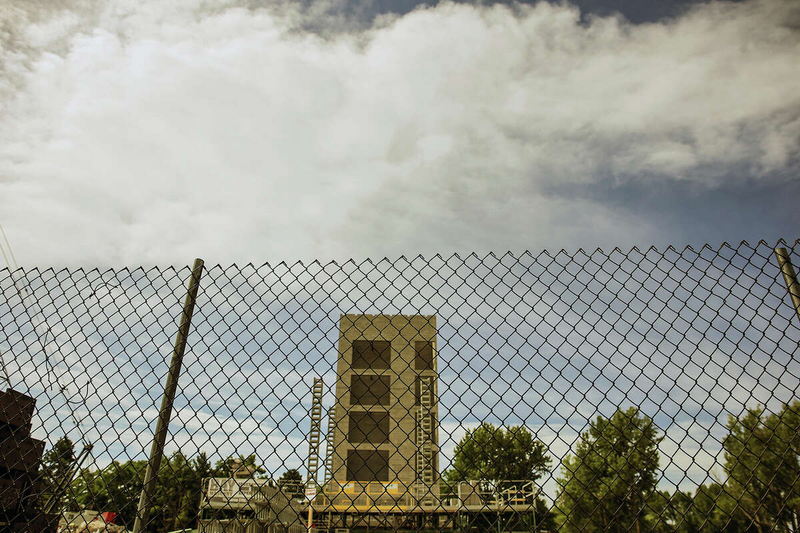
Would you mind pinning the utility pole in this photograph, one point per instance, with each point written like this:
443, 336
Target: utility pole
789, 277
160, 436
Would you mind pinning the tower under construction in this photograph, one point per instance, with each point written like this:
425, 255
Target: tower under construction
382, 438
382, 431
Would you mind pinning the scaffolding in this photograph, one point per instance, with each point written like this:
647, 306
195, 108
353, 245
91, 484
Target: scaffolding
329, 444
424, 459
344, 504
315, 434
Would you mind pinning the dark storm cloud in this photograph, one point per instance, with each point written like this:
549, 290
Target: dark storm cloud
362, 13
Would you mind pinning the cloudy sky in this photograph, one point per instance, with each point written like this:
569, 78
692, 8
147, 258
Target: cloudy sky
140, 132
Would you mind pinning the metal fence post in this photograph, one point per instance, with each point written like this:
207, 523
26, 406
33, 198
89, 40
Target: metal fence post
789, 276
157, 451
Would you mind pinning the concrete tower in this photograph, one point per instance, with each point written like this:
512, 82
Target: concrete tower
384, 426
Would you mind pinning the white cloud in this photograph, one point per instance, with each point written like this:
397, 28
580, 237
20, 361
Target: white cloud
152, 132
141, 132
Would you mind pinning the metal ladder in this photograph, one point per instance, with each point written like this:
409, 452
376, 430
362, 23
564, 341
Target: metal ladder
316, 430
424, 461
329, 444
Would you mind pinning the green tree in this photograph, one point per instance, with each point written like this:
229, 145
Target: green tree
114, 488
202, 466
291, 482
55, 465
241, 465
498, 459
663, 511
176, 497
708, 510
490, 453
761, 460
606, 485
713, 509
190, 509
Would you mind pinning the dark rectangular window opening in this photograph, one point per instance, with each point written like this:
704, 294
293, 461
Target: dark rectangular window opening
369, 389
367, 465
372, 354
423, 359
368, 427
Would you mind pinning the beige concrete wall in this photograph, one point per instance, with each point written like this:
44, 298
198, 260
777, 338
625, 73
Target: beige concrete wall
402, 331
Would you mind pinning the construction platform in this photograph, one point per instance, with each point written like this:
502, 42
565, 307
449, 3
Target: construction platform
390, 505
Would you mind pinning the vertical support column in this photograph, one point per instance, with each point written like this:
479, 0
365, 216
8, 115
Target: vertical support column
789, 276
160, 436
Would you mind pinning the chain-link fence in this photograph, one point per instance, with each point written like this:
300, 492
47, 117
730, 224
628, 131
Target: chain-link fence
639, 390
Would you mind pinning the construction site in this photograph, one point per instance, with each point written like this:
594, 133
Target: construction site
381, 456
242, 503
382, 446
473, 416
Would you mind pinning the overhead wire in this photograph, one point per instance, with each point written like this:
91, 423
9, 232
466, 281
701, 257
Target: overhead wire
10, 249
36, 319
10, 261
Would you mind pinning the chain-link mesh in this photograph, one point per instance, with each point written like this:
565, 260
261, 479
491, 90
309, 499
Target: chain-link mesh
640, 390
